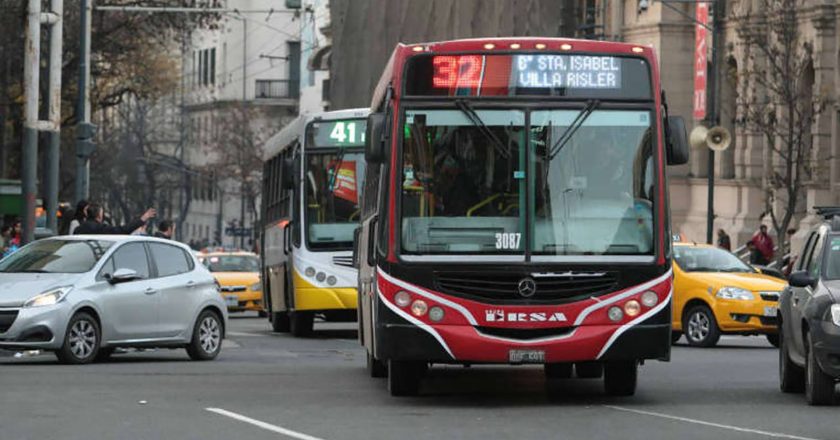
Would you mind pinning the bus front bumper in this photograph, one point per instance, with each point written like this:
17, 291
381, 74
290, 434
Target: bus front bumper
398, 339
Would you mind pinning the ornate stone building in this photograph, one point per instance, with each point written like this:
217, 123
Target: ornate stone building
742, 171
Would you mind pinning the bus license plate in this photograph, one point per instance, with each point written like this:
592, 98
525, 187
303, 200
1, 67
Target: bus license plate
231, 301
527, 356
770, 311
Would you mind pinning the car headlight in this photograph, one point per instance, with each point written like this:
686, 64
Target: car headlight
256, 287
735, 293
49, 297
835, 314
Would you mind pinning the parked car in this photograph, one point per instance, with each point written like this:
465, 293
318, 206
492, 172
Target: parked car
83, 296
717, 293
809, 310
238, 274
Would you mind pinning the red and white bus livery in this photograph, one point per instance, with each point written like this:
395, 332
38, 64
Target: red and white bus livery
515, 210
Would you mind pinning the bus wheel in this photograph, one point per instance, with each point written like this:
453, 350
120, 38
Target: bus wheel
558, 370
375, 367
620, 377
404, 377
301, 323
280, 322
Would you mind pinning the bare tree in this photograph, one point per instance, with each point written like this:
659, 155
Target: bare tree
780, 105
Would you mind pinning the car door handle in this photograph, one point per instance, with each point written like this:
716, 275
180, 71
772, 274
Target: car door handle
150, 291
190, 284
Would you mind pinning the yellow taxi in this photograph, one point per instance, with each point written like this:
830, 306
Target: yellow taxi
238, 274
716, 293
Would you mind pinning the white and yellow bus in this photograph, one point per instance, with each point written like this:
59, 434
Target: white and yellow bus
312, 182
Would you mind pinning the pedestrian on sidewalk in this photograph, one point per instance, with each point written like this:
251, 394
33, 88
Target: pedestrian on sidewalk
165, 229
95, 222
79, 216
723, 240
764, 243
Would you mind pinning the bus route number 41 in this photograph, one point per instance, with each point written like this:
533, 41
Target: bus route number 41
345, 133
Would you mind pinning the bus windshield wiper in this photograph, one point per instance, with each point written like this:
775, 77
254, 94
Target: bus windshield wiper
581, 117
468, 111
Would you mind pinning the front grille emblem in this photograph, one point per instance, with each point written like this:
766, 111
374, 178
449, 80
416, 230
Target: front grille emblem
527, 287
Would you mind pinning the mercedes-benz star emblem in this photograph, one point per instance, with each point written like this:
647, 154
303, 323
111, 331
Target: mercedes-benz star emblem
527, 287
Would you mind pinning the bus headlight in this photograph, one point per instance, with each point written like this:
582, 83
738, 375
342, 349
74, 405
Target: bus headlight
615, 314
321, 277
331, 280
632, 308
310, 271
436, 314
256, 287
402, 298
419, 308
650, 298
735, 293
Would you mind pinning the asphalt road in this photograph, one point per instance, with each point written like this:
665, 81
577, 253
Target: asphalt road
270, 386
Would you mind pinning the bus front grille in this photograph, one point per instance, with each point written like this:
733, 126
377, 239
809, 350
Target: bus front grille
505, 287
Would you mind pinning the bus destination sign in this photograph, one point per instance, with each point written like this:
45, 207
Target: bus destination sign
567, 71
338, 133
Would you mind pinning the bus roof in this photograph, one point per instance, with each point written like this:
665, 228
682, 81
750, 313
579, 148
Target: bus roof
294, 129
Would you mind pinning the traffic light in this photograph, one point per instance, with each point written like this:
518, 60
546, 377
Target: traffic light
85, 146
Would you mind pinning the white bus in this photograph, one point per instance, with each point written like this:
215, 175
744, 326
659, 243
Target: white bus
313, 176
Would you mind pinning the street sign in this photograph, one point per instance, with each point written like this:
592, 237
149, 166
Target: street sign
700, 61
238, 232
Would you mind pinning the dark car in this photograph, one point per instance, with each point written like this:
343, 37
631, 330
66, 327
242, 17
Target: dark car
809, 309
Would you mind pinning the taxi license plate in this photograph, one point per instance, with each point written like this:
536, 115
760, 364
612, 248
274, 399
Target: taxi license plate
770, 311
231, 301
526, 356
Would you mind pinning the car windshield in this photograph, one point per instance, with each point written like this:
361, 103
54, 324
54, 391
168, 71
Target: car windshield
832, 270
335, 170
708, 259
56, 256
231, 263
466, 185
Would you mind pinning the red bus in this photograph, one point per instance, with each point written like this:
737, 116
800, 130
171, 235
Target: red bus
516, 210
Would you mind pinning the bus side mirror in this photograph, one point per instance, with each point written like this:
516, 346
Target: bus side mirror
676, 141
356, 234
374, 141
288, 179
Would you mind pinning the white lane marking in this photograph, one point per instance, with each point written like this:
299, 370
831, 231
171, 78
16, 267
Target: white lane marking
261, 424
712, 424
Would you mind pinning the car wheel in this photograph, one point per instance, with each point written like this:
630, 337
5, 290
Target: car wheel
301, 323
589, 370
404, 377
375, 367
700, 325
620, 377
819, 387
773, 339
207, 337
791, 376
280, 322
104, 354
81, 340
558, 370
675, 336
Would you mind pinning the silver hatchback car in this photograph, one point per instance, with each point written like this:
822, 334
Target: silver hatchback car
83, 296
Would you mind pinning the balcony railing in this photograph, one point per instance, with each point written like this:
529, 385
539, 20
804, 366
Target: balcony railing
276, 89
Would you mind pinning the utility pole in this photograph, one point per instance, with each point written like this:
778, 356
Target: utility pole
32, 125
54, 115
713, 115
84, 128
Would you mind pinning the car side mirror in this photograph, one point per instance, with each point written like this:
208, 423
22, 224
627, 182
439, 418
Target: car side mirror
122, 276
676, 141
801, 278
374, 141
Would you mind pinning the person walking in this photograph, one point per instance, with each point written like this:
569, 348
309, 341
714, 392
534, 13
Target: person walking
165, 229
95, 223
764, 243
79, 216
723, 241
